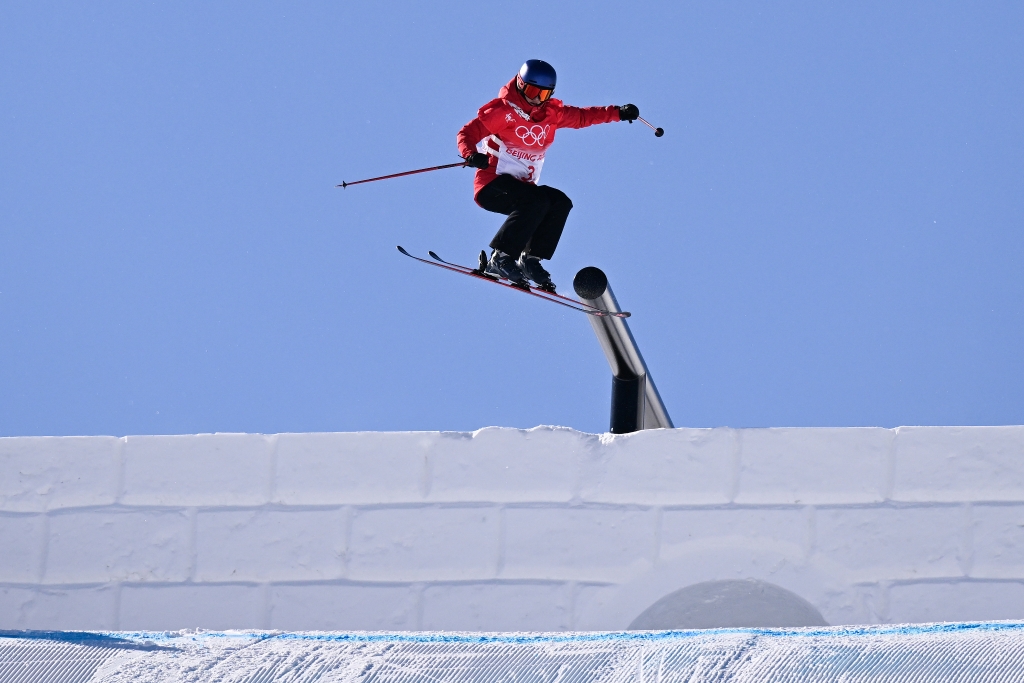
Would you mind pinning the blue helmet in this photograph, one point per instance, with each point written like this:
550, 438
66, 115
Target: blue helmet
536, 80
539, 73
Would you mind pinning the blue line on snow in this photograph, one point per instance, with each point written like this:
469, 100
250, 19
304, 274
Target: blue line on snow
112, 637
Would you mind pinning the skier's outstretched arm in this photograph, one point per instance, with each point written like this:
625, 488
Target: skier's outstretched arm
581, 117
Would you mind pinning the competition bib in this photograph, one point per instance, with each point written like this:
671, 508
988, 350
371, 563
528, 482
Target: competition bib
525, 158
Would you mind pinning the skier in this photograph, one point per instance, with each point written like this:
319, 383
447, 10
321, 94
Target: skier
506, 142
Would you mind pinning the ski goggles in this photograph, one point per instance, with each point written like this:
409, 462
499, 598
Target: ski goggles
534, 92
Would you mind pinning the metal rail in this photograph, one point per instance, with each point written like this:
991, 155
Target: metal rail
636, 403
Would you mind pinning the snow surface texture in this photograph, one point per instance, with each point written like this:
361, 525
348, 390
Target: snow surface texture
943, 652
546, 529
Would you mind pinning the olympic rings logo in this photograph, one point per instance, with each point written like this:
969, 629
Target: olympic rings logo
534, 135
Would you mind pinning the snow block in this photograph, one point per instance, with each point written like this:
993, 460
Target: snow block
342, 469
118, 545
15, 603
270, 545
894, 542
53, 472
859, 603
593, 602
736, 526
507, 465
204, 469
959, 464
344, 606
930, 601
662, 467
424, 543
73, 607
496, 606
22, 543
819, 466
172, 607
584, 543
997, 541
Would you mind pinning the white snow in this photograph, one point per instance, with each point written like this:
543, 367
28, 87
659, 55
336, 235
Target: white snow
546, 529
910, 654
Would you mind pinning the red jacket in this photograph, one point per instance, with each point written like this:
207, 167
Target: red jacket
517, 134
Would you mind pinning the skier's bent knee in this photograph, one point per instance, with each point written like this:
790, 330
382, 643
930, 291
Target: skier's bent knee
558, 198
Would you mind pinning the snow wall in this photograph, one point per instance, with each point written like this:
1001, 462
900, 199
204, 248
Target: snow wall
546, 529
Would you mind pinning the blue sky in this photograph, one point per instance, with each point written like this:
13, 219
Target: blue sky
829, 233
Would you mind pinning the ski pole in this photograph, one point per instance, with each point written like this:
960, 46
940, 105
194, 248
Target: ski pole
658, 132
399, 175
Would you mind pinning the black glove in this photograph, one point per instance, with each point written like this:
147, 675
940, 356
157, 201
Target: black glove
478, 160
629, 112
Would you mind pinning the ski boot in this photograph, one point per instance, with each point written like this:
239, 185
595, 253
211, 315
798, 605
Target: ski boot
531, 267
501, 265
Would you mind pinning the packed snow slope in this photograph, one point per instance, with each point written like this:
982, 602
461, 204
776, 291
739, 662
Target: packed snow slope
979, 653
546, 529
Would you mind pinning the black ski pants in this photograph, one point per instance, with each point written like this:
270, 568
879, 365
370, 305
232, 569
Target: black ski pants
536, 215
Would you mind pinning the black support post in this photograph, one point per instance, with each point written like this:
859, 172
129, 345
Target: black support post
627, 404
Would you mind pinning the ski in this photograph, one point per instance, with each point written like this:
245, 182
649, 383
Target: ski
541, 291
535, 291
